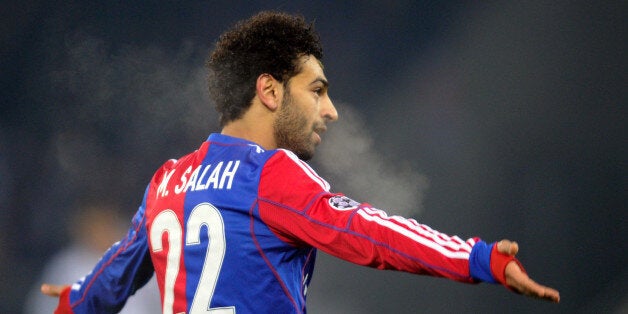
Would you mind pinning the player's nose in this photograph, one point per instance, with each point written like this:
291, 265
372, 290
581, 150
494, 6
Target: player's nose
328, 110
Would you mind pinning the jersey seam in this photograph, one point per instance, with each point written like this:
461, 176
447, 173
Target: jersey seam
263, 255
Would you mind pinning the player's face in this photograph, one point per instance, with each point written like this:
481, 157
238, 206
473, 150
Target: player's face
305, 110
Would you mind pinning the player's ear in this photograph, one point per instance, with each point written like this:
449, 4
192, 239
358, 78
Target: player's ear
269, 91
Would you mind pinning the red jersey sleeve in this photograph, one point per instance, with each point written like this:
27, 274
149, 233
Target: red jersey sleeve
298, 207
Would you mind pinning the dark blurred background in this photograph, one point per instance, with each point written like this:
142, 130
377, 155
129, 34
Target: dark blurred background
495, 119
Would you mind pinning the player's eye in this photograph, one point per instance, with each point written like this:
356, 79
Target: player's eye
319, 91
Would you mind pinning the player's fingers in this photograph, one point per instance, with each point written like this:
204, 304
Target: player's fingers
52, 290
532, 289
550, 294
508, 247
520, 282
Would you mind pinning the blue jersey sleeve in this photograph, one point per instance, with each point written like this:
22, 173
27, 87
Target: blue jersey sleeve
122, 270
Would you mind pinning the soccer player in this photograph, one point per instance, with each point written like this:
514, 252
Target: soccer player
236, 224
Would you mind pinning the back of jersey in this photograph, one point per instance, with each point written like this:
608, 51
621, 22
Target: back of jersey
208, 245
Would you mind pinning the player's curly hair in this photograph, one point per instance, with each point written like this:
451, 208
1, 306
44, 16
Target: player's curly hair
269, 42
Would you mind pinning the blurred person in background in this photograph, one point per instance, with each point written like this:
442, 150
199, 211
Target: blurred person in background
94, 228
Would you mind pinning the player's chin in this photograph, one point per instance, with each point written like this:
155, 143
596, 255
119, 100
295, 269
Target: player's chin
306, 153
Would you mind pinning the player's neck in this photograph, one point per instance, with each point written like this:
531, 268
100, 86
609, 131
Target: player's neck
253, 126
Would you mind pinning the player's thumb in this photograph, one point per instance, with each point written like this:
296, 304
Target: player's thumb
52, 290
508, 247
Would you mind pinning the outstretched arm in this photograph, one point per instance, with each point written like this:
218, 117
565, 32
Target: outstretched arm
518, 280
361, 234
127, 261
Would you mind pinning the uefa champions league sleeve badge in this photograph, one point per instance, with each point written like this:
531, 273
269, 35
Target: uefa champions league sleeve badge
341, 202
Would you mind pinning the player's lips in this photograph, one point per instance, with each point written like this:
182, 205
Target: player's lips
317, 138
318, 132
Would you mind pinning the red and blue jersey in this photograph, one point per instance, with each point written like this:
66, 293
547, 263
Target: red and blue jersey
233, 227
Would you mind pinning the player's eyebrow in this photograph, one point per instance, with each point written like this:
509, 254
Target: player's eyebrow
322, 80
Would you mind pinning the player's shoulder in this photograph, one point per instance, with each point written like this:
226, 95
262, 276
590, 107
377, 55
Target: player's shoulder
172, 164
286, 166
283, 158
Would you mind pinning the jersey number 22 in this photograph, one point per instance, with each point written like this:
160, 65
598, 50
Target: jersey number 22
203, 214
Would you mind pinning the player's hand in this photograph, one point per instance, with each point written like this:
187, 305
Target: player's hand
519, 281
52, 290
